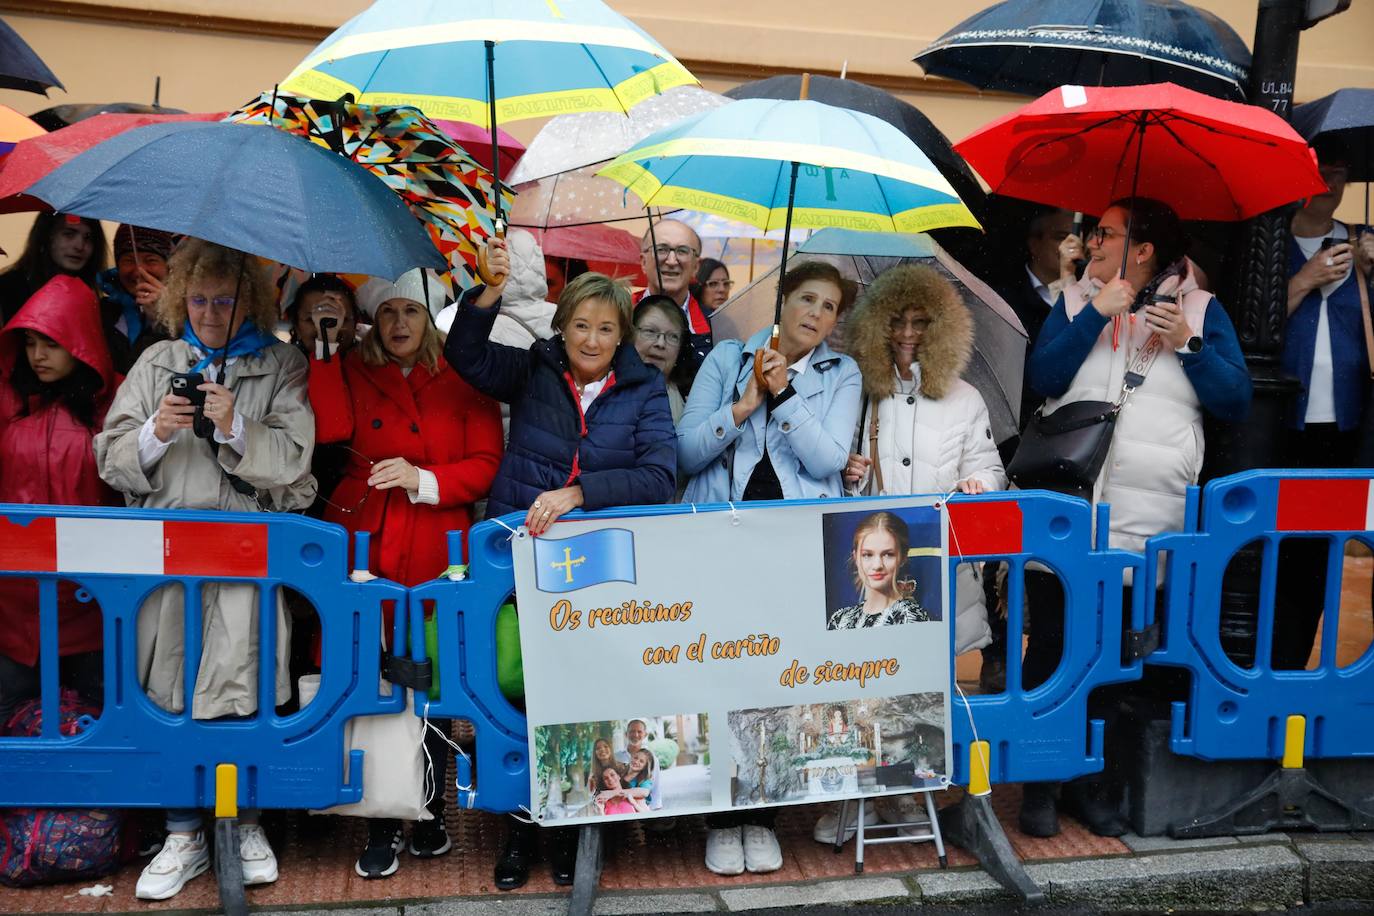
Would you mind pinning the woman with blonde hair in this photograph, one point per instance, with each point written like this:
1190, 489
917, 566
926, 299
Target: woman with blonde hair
422, 446
876, 562
246, 450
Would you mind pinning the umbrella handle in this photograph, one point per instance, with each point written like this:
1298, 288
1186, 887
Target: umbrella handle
483, 268
758, 358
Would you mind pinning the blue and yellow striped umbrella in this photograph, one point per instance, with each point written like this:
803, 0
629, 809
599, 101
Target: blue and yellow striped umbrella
551, 57
853, 171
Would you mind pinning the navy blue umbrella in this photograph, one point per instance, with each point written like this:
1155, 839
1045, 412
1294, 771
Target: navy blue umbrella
20, 67
247, 187
1346, 115
1032, 46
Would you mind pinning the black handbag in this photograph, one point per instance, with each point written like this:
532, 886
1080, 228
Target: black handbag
1064, 451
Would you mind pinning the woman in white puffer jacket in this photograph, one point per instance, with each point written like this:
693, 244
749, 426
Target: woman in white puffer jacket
923, 429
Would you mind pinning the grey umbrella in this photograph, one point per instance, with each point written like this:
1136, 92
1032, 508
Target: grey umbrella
999, 350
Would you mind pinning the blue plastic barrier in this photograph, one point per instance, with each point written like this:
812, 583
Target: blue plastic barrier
1042, 734
1237, 713
138, 754
1045, 734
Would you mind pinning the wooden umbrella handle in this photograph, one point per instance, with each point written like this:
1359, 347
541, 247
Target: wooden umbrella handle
484, 271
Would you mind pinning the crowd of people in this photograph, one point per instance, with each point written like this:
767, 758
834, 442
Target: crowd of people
161, 382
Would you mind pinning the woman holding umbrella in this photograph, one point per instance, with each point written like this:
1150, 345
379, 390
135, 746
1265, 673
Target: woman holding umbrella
422, 447
785, 437
1324, 347
252, 454
1156, 322
589, 428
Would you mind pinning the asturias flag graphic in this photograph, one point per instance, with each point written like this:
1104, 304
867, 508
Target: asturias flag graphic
567, 564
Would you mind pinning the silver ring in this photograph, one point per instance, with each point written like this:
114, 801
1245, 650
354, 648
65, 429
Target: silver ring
536, 504
1330, 262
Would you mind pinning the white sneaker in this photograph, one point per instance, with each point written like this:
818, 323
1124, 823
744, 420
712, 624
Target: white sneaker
762, 853
259, 862
825, 827
904, 809
180, 859
725, 851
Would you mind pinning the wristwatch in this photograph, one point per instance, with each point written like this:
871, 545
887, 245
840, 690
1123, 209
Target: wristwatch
1192, 345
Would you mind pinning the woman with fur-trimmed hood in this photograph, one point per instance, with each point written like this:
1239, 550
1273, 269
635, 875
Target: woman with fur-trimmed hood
923, 429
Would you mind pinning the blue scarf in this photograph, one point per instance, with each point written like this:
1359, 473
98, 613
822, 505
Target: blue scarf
107, 283
249, 341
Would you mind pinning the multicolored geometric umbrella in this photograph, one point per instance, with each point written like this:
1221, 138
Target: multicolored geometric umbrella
444, 187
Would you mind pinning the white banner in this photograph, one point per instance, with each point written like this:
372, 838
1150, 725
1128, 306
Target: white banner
717, 660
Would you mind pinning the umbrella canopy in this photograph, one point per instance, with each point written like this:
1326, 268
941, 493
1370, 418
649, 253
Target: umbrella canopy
477, 143
250, 188
444, 188
1346, 115
857, 172
14, 127
550, 59
32, 159
20, 67
857, 96
1032, 46
60, 116
999, 339
1082, 148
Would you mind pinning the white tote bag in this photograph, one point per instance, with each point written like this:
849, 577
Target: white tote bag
393, 759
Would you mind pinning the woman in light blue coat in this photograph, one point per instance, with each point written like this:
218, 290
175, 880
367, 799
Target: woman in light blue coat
787, 439
791, 439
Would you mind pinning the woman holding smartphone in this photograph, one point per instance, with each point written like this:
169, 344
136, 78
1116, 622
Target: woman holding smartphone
251, 454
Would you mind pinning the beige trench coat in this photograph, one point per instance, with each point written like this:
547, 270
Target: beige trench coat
279, 433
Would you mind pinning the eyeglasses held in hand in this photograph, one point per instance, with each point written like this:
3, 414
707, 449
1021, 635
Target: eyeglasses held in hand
221, 303
683, 252
650, 336
367, 491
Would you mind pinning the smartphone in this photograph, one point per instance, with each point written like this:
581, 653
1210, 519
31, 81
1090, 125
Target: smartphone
187, 385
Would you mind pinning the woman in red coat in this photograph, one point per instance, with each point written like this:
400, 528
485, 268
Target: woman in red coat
56, 382
422, 447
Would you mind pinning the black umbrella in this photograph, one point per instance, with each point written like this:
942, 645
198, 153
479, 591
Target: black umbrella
1032, 46
856, 96
1346, 115
20, 67
60, 116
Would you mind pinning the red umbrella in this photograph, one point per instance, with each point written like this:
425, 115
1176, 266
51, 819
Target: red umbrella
476, 142
34, 158
1081, 148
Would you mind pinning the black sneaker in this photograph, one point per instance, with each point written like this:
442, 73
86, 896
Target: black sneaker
379, 859
429, 839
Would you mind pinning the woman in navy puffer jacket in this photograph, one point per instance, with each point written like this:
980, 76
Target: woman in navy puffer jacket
590, 426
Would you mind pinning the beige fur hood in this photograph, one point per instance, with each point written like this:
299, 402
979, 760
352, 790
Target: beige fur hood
945, 348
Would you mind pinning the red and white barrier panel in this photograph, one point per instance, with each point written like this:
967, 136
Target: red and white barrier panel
134, 547
1325, 504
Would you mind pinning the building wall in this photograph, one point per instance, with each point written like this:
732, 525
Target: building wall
216, 54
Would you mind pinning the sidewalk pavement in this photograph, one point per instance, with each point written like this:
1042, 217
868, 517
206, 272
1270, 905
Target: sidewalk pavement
661, 872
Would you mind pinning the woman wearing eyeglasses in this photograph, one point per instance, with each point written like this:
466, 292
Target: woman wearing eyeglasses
252, 455
1157, 322
660, 331
713, 284
423, 446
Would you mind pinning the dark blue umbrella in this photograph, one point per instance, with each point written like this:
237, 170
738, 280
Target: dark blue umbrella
1032, 46
1346, 115
247, 187
20, 67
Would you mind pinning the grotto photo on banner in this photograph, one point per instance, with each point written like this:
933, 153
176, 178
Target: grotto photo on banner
812, 662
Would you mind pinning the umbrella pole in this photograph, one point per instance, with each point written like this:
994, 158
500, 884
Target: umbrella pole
782, 274
484, 272
653, 247
1135, 185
